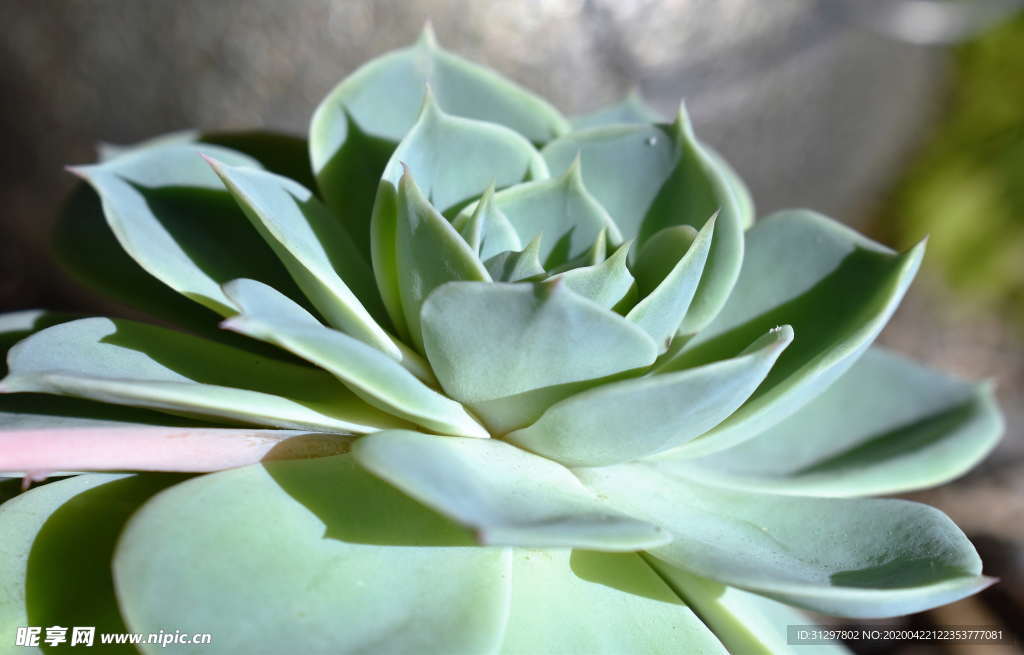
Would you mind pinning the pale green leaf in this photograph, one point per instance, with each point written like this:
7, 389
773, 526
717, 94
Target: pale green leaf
454, 159
652, 177
888, 425
858, 557
171, 213
316, 250
509, 497
488, 341
745, 622
599, 604
663, 311
607, 282
515, 266
357, 126
128, 363
55, 556
428, 253
370, 374
487, 230
631, 419
317, 553
561, 211
836, 288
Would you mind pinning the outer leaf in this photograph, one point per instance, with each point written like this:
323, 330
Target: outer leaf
597, 603
369, 373
627, 420
745, 622
663, 311
429, 253
58, 541
297, 557
455, 159
15, 326
560, 211
129, 363
836, 288
846, 557
509, 497
650, 178
487, 341
315, 249
170, 212
358, 124
887, 426
607, 283
631, 109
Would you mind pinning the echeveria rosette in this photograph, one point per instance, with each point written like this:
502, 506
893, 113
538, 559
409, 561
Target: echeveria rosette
494, 385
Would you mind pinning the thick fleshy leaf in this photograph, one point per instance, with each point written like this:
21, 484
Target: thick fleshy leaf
845, 557
661, 254
600, 604
631, 419
888, 425
171, 213
454, 159
487, 230
369, 373
663, 311
488, 341
356, 127
836, 288
630, 110
428, 253
745, 622
652, 177
561, 211
128, 363
15, 326
316, 552
278, 152
316, 250
508, 496
514, 266
55, 555
607, 283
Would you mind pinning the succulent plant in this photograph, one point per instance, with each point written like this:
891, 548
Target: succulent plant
487, 383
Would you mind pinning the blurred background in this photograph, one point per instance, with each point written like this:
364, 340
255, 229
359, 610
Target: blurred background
900, 117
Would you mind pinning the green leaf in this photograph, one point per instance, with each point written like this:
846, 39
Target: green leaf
456, 159
488, 341
597, 603
128, 363
509, 497
631, 419
661, 254
170, 212
428, 253
561, 211
357, 126
860, 558
56, 551
278, 152
745, 622
15, 326
367, 372
515, 266
888, 425
315, 249
487, 230
300, 563
836, 288
607, 283
652, 177
663, 311
631, 109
